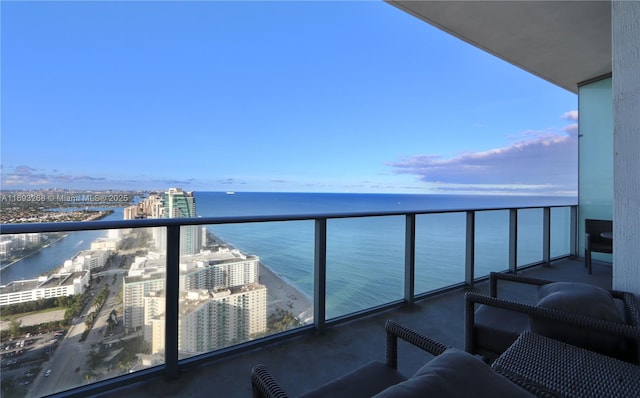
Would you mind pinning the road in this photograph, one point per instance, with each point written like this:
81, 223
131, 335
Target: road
70, 361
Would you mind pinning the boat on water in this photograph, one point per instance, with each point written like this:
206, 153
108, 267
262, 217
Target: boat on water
230, 193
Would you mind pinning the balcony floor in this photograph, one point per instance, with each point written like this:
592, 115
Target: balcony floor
304, 362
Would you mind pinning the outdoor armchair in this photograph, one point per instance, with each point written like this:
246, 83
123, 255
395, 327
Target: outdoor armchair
605, 321
452, 373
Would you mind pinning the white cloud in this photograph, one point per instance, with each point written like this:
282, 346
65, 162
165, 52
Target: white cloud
540, 161
571, 115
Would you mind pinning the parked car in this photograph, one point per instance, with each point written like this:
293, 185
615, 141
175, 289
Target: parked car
47, 373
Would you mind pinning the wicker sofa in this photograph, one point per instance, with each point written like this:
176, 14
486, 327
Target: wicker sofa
452, 373
604, 321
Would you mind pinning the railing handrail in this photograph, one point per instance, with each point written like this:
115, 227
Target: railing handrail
20, 228
172, 363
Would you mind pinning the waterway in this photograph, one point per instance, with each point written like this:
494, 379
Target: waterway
54, 255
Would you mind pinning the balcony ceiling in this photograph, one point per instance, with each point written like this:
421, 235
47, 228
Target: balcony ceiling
563, 42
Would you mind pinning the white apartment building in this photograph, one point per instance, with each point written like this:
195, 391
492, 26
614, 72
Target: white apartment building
87, 260
154, 306
105, 244
5, 248
136, 288
17, 242
213, 320
44, 287
222, 269
219, 288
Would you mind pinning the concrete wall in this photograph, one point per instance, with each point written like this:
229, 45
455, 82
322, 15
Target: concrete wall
625, 17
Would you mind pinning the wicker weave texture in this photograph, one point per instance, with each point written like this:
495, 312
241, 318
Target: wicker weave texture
555, 368
264, 384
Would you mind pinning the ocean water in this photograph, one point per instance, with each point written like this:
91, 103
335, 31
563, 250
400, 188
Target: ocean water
365, 256
56, 254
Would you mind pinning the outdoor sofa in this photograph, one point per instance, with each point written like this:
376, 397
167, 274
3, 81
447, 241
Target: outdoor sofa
600, 320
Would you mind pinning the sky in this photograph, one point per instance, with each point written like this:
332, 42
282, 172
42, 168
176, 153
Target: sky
311, 96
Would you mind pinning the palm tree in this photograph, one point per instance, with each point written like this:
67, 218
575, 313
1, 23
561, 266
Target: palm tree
14, 328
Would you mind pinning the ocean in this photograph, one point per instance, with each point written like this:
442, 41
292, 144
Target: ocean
365, 256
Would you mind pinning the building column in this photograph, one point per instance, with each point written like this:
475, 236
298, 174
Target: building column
626, 144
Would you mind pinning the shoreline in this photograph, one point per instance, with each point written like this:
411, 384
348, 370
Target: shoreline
281, 294
94, 217
284, 295
5, 266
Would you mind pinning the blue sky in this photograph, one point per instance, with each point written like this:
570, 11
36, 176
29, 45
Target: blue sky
270, 96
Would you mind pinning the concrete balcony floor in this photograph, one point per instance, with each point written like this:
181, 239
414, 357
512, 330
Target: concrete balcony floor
304, 362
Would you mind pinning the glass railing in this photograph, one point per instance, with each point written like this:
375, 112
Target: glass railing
142, 301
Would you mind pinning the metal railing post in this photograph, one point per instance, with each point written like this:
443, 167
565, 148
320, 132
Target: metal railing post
410, 258
573, 231
470, 248
320, 273
513, 240
173, 227
172, 287
546, 236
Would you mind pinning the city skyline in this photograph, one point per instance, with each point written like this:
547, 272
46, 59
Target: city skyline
270, 96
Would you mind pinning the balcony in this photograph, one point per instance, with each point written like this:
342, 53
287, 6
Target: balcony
332, 340
304, 362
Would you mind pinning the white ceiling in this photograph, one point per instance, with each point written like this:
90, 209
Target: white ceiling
564, 42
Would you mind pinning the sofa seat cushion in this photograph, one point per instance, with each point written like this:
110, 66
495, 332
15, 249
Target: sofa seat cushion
455, 373
497, 328
365, 381
582, 299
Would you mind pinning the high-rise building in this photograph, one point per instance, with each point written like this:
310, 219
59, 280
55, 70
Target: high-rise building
223, 272
221, 300
214, 320
179, 204
145, 276
210, 320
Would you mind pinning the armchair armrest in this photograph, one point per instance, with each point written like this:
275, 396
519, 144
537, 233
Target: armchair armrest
494, 277
264, 385
631, 307
395, 330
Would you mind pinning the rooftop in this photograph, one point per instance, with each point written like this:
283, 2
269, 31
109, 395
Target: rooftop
52, 281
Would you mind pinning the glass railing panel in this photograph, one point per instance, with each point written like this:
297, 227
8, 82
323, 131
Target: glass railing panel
117, 322
530, 228
72, 323
135, 345
560, 231
491, 242
365, 263
249, 281
440, 250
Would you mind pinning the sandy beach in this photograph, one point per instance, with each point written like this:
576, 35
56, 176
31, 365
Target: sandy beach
284, 296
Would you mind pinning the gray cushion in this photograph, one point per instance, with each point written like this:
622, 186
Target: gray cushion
455, 373
362, 382
583, 299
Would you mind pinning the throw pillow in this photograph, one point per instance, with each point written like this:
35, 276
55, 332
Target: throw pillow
455, 373
582, 299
